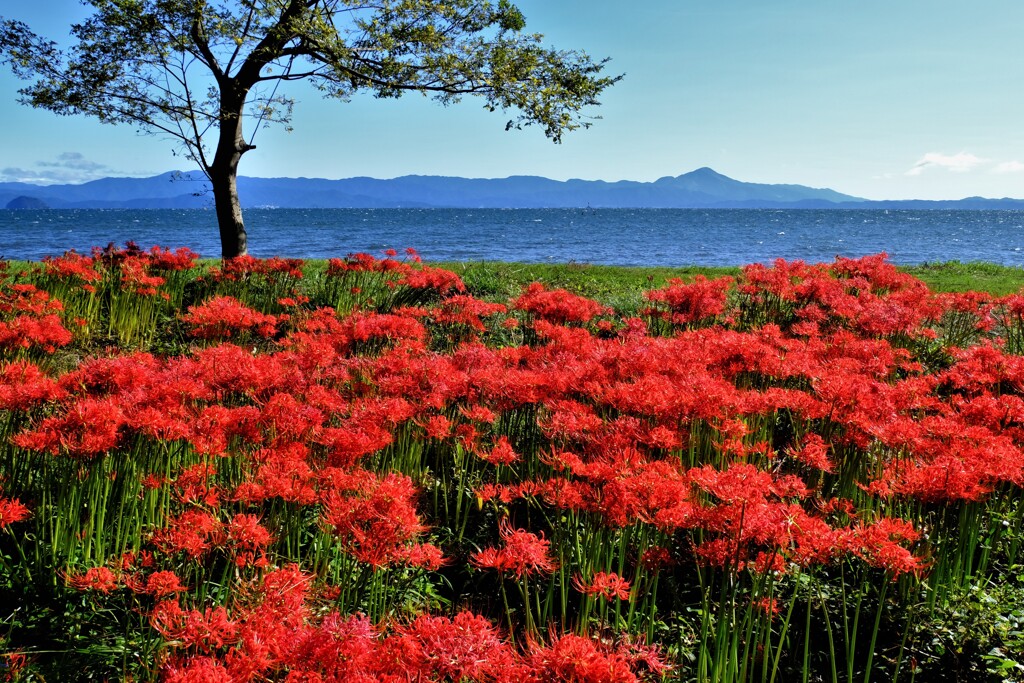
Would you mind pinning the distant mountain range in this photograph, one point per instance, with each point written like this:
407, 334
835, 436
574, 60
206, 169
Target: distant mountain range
700, 189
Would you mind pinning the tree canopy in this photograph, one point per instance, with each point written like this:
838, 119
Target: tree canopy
196, 70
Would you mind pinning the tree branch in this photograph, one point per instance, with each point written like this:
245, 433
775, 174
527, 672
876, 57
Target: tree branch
201, 42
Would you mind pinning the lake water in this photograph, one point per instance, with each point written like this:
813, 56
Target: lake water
599, 236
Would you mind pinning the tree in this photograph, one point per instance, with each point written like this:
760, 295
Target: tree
196, 70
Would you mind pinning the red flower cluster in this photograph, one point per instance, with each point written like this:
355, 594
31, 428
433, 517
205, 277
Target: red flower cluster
243, 267
224, 317
695, 303
374, 517
557, 305
29, 318
11, 511
276, 635
607, 585
522, 553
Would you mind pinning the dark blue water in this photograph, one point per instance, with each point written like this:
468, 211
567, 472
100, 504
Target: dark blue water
600, 236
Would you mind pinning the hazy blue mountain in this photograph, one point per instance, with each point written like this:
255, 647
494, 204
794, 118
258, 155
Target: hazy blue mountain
23, 202
702, 188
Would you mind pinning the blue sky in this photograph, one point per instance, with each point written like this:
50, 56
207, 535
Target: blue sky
881, 99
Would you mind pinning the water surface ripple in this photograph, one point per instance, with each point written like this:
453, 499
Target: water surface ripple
600, 236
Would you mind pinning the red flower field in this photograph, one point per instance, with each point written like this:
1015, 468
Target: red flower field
264, 471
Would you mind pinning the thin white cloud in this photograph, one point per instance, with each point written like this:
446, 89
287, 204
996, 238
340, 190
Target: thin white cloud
47, 176
68, 167
1009, 167
958, 163
74, 161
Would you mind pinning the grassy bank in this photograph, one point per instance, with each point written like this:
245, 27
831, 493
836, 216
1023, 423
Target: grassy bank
954, 276
622, 287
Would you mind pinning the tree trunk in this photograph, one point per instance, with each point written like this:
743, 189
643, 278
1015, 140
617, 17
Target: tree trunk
233, 238
223, 172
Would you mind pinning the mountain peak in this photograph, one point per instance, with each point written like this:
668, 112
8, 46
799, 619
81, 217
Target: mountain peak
697, 177
704, 172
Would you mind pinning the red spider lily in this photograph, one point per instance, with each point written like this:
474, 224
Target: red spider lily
341, 648
980, 367
740, 484
112, 255
282, 472
23, 386
389, 411
14, 664
242, 267
769, 606
373, 516
227, 369
162, 258
247, 539
346, 445
664, 437
813, 452
88, 428
207, 631
625, 487
437, 279
114, 374
501, 453
466, 647
779, 280
267, 628
468, 436
288, 420
692, 303
224, 317
575, 659
135, 276
881, 275
193, 532
282, 596
654, 559
558, 305
28, 300
132, 560
196, 670
290, 302
214, 428
12, 510
99, 579
507, 493
879, 545
366, 327
812, 540
479, 413
423, 555
607, 585
257, 640
362, 262
25, 332
72, 266
671, 438
570, 421
192, 485
522, 554
463, 309
163, 584
437, 427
